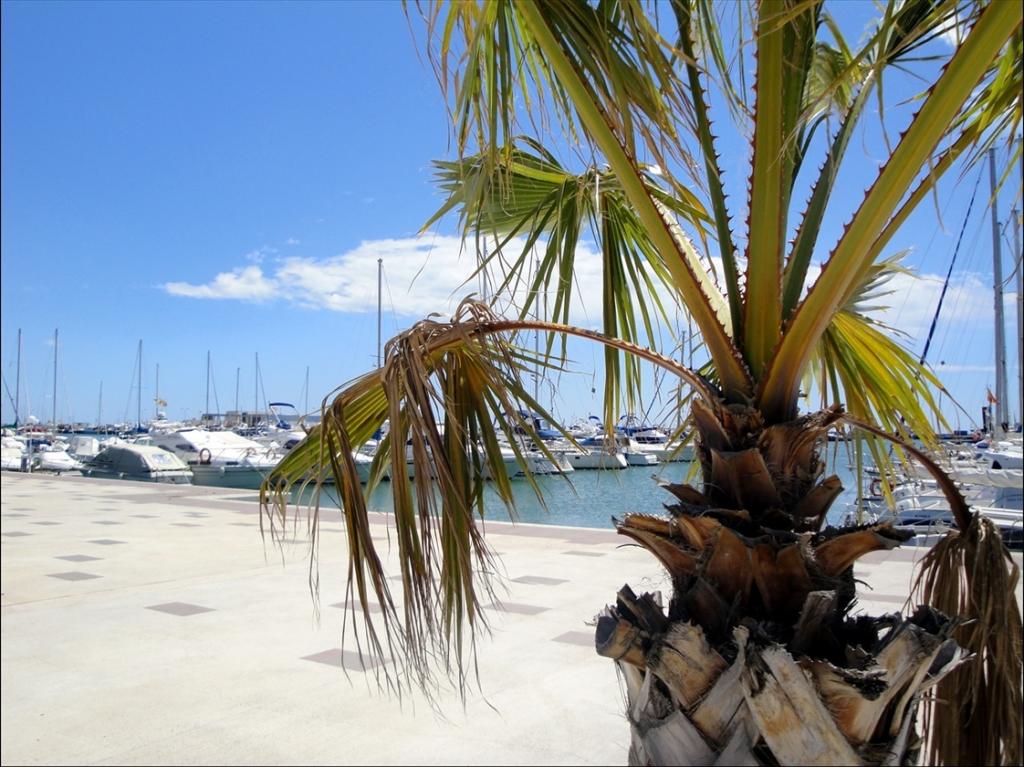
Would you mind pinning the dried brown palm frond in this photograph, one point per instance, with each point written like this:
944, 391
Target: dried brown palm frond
447, 391
975, 716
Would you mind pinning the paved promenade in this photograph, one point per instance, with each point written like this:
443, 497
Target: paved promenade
150, 624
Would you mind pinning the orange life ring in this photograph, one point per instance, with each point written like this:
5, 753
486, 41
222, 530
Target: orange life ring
204, 455
876, 487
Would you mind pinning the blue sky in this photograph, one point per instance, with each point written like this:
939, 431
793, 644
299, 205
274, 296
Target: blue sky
223, 177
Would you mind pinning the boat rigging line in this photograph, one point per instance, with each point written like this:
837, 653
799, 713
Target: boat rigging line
11, 399
949, 273
135, 382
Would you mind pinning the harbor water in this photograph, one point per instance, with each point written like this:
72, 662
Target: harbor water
592, 498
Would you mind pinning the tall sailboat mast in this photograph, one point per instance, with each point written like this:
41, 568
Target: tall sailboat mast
380, 272
1015, 222
536, 333
139, 405
305, 404
1000, 416
17, 383
156, 396
55, 379
207, 410
256, 387
99, 407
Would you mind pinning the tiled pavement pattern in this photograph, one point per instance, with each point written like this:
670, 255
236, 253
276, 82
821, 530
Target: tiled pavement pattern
583, 638
201, 645
539, 580
344, 658
180, 609
517, 608
74, 576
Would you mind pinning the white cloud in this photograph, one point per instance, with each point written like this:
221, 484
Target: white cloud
908, 302
431, 273
256, 256
292, 241
912, 305
422, 275
243, 284
953, 31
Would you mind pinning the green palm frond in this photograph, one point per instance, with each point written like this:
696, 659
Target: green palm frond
490, 62
610, 75
861, 364
689, 25
853, 254
529, 195
528, 200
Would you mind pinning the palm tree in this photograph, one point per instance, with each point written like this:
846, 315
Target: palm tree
755, 658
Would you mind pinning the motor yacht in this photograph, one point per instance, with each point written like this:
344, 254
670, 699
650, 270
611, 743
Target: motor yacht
219, 458
142, 463
596, 452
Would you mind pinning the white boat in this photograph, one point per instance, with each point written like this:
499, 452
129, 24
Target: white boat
670, 452
538, 463
363, 462
591, 427
1001, 455
142, 463
84, 447
920, 505
368, 450
283, 430
219, 458
55, 458
640, 457
12, 454
596, 453
654, 441
592, 432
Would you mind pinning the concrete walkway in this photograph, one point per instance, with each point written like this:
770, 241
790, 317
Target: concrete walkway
150, 624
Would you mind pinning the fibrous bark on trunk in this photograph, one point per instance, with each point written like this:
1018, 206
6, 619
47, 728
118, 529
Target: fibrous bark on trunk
687, 704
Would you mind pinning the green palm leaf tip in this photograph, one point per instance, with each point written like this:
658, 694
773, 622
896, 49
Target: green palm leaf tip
853, 254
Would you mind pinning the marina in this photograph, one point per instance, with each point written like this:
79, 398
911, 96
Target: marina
584, 486
583, 383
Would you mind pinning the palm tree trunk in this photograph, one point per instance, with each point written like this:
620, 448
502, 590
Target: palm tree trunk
751, 701
756, 658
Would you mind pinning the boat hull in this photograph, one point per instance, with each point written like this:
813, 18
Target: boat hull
241, 477
596, 459
176, 477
